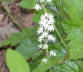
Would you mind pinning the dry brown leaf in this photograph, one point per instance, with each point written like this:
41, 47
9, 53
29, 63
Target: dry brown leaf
27, 20
2, 18
6, 31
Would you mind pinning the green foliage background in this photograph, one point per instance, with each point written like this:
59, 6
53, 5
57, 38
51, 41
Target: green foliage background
69, 22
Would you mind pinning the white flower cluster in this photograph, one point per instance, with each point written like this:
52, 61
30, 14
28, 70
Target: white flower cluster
38, 7
44, 31
46, 27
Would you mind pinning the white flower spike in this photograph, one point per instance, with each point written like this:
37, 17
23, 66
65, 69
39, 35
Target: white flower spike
46, 26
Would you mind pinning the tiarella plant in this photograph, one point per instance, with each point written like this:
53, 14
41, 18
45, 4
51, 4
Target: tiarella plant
54, 44
46, 24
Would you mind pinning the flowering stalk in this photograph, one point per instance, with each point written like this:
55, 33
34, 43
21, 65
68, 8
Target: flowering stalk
44, 31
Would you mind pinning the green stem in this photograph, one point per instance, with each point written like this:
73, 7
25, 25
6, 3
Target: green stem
47, 51
64, 44
61, 39
59, 35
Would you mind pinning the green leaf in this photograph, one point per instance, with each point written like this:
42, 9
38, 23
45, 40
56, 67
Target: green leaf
74, 8
35, 62
76, 43
29, 48
75, 35
18, 37
27, 40
68, 66
36, 16
43, 67
16, 62
28, 4
80, 63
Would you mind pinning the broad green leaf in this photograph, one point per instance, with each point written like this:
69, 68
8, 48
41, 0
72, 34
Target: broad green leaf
68, 66
36, 16
29, 48
43, 67
18, 37
13, 40
16, 62
30, 4
75, 36
76, 43
27, 40
74, 8
35, 62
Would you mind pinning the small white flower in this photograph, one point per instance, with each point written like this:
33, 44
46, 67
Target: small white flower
51, 28
44, 16
50, 19
40, 38
40, 46
42, 0
46, 26
52, 53
44, 60
42, 22
44, 34
49, 1
45, 46
47, 18
40, 30
37, 7
51, 38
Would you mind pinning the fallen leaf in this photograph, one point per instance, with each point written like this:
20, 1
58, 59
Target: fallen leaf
2, 18
27, 20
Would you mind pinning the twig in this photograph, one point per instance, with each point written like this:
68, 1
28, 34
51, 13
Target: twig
10, 15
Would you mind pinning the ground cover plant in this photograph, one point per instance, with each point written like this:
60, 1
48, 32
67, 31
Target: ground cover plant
54, 43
